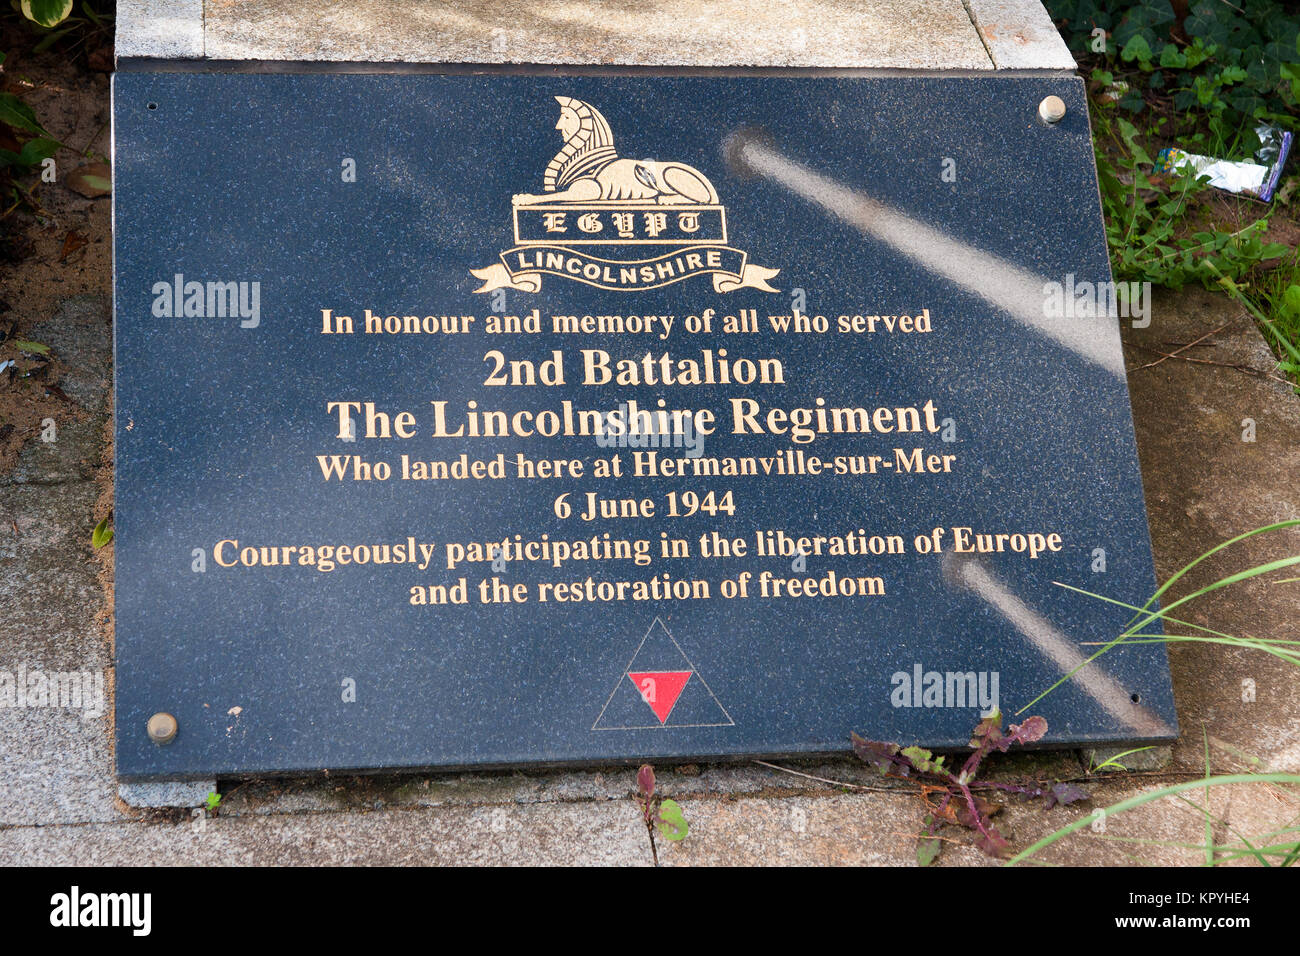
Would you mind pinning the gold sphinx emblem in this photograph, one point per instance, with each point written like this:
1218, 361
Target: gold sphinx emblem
594, 199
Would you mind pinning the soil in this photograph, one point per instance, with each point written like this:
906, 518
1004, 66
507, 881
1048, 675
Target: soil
58, 243
55, 245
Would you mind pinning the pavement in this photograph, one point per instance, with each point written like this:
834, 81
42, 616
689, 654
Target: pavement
1238, 709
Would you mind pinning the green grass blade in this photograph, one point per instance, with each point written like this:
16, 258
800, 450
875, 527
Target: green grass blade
1217, 548
1160, 794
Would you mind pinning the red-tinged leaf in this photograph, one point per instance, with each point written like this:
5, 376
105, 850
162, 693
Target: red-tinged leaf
994, 844
645, 780
875, 754
91, 180
1032, 729
1064, 793
987, 732
986, 809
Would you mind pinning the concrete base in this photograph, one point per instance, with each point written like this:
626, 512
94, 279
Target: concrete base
840, 34
172, 794
1145, 758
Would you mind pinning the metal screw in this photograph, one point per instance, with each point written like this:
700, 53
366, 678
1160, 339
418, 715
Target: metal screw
1052, 110
162, 728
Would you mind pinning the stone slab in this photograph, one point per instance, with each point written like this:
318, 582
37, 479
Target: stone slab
1020, 35
539, 835
159, 29
192, 793
56, 763
80, 340
861, 34
73, 455
811, 33
1208, 485
221, 448
846, 830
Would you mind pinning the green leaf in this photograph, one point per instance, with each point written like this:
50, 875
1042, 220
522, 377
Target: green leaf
1196, 54
102, 535
923, 760
1138, 49
213, 800
19, 115
672, 824
32, 153
34, 347
1290, 302
46, 13
1172, 56
927, 850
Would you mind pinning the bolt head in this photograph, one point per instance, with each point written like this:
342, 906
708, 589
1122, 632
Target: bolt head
162, 728
1051, 110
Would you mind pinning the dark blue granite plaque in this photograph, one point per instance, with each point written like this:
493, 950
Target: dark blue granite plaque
470, 421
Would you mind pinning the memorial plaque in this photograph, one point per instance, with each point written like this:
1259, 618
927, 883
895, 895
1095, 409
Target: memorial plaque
509, 420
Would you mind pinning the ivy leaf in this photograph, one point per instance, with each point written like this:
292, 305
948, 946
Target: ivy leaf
1196, 54
672, 824
1137, 48
1172, 56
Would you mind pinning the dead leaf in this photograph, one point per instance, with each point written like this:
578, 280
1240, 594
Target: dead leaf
71, 243
100, 59
91, 180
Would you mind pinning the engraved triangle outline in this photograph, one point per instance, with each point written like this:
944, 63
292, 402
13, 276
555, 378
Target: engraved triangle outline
695, 672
